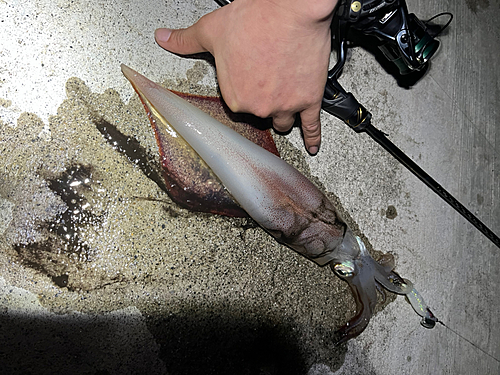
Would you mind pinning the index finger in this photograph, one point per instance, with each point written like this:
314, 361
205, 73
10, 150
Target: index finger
311, 128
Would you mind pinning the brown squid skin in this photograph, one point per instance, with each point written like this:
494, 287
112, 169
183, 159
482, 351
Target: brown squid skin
277, 196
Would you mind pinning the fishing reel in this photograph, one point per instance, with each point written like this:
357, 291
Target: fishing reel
400, 39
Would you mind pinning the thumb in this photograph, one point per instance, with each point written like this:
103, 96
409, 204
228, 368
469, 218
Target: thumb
180, 41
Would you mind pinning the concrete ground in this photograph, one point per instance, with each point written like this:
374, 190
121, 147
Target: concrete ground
141, 286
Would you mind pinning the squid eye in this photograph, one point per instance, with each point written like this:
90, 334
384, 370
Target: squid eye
344, 269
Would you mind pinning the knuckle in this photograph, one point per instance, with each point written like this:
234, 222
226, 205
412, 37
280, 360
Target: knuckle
283, 123
233, 105
311, 127
261, 112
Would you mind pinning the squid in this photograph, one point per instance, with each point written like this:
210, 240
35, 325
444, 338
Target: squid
277, 197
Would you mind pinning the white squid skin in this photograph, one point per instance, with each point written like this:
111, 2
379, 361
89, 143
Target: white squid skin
278, 197
281, 200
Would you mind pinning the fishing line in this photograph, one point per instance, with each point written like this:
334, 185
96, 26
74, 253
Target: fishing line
469, 341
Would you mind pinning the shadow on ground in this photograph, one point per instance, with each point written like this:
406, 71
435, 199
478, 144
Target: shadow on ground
203, 342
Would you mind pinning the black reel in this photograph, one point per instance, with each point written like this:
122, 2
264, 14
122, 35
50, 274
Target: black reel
402, 38
401, 42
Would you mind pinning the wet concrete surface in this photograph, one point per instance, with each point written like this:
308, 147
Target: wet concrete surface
100, 273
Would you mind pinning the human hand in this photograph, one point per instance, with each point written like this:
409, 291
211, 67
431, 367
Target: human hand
271, 58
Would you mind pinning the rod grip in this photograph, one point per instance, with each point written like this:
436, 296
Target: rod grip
344, 106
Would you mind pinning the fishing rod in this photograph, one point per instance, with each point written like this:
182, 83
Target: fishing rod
403, 45
403, 42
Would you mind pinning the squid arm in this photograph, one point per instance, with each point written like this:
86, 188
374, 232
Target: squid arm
277, 196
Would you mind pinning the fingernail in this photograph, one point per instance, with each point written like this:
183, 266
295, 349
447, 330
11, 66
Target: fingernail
163, 35
313, 150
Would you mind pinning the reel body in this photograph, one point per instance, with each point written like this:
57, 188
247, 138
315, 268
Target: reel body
402, 38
